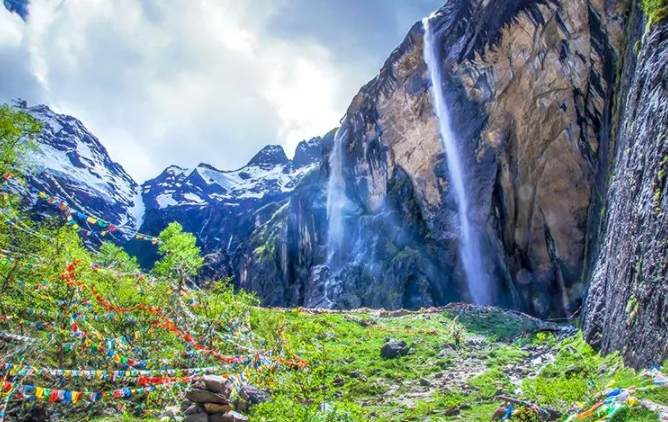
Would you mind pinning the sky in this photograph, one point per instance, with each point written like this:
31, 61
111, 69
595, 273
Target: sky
189, 81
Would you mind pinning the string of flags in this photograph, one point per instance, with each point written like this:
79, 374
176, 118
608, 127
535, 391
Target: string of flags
114, 375
76, 219
143, 376
53, 395
167, 324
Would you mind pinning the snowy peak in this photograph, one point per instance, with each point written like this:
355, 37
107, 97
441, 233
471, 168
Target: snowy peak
268, 175
270, 155
72, 164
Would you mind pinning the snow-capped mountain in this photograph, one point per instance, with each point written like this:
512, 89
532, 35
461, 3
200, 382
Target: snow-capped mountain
268, 175
74, 166
224, 207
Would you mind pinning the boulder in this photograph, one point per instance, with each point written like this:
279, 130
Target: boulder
193, 408
228, 417
394, 349
197, 417
204, 396
218, 384
213, 408
253, 395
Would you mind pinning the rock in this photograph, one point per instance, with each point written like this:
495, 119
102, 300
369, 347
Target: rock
338, 381
447, 352
218, 384
253, 395
194, 408
625, 309
212, 408
359, 375
452, 411
171, 411
197, 417
204, 396
394, 349
228, 417
425, 382
499, 412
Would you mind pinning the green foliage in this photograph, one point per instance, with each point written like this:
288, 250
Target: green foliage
180, 254
17, 130
284, 408
490, 383
568, 379
656, 10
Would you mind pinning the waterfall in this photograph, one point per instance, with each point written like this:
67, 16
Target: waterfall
469, 245
336, 202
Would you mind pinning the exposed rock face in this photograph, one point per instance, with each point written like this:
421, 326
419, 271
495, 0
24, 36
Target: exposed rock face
627, 302
528, 85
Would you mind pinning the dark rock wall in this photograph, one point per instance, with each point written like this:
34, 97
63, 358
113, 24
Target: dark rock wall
627, 303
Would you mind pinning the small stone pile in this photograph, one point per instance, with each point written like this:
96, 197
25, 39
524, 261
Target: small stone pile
209, 400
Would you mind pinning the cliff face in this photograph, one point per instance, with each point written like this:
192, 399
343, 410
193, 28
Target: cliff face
627, 302
528, 85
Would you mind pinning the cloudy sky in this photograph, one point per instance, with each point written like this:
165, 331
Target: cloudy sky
189, 81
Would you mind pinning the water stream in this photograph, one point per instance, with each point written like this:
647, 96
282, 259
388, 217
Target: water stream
469, 244
336, 203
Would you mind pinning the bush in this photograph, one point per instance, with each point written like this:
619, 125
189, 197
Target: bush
656, 10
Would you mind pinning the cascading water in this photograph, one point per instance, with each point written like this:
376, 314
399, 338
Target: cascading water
336, 202
469, 246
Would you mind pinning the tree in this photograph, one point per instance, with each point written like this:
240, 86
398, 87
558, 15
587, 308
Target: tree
17, 131
180, 254
117, 258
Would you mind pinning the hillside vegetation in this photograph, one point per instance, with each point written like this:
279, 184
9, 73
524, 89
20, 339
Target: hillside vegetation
88, 336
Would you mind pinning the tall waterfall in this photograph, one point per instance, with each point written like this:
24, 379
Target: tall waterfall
469, 245
336, 202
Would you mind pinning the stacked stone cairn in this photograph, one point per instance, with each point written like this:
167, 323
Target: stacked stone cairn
209, 400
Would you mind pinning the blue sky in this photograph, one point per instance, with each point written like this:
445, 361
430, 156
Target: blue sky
189, 81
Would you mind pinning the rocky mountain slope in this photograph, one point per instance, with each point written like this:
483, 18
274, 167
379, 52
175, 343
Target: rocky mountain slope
224, 207
73, 165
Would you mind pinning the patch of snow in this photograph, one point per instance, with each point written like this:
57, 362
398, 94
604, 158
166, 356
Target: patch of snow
165, 200
138, 209
194, 198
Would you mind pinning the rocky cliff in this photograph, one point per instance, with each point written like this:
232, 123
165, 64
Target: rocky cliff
627, 302
528, 85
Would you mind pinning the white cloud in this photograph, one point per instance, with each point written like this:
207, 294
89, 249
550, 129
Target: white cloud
186, 81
